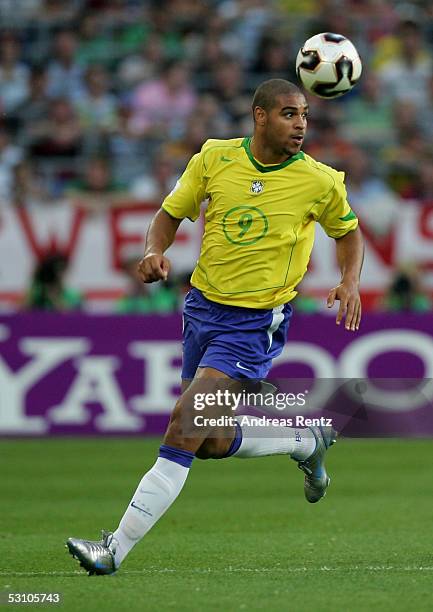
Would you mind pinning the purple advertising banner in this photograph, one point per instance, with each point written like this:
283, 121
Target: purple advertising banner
79, 374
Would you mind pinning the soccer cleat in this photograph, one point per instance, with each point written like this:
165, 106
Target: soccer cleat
94, 557
316, 478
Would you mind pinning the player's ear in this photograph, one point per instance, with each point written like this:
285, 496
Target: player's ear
259, 116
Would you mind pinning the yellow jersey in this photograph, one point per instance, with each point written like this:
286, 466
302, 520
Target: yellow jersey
259, 221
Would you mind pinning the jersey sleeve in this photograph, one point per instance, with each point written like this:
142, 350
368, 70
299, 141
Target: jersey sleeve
336, 216
189, 192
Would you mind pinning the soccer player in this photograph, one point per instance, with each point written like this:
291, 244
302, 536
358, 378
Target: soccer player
263, 196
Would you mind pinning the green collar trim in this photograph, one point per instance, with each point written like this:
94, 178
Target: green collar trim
246, 145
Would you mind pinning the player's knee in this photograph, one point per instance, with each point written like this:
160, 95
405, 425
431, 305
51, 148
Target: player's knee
203, 453
213, 448
181, 431
175, 425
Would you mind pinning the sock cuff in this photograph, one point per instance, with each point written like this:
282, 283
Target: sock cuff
237, 441
177, 455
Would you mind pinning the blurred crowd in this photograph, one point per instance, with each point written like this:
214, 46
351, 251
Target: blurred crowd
102, 99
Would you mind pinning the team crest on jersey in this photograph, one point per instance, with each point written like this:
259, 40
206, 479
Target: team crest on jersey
257, 186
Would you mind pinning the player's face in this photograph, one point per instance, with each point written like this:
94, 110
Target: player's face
287, 123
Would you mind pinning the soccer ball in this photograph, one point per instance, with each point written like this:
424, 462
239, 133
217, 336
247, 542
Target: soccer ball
328, 65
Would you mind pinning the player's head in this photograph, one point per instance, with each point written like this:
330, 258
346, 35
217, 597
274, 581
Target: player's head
280, 116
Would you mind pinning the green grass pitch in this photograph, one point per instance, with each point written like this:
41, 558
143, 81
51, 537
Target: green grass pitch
239, 537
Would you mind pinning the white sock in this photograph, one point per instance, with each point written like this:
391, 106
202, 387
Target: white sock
258, 441
157, 490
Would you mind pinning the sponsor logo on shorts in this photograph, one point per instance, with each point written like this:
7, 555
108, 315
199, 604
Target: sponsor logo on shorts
241, 367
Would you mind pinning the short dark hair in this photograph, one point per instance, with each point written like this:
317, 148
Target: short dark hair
266, 93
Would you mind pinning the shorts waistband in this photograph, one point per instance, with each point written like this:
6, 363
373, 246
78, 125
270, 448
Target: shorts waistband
277, 309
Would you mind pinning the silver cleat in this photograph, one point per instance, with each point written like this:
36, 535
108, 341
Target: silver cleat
94, 557
316, 478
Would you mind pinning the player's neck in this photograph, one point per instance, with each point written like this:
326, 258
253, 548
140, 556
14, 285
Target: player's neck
265, 154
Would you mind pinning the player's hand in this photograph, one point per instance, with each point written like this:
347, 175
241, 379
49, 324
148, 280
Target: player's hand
347, 293
153, 267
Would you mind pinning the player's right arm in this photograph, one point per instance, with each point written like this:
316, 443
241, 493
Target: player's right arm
183, 201
155, 266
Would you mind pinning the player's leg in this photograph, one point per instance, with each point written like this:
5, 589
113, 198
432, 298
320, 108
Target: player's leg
182, 431
167, 476
161, 485
246, 344
307, 446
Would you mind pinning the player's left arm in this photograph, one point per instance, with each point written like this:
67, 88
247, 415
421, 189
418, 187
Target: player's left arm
341, 223
350, 256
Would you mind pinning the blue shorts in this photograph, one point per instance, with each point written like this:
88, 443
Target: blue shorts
241, 342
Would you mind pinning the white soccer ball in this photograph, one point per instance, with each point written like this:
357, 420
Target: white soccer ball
328, 65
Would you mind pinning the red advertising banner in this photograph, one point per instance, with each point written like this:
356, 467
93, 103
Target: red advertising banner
98, 243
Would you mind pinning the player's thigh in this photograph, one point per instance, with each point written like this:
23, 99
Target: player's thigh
185, 384
203, 401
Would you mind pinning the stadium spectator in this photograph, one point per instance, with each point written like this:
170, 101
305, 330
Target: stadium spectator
188, 17
161, 17
94, 45
406, 292
218, 41
249, 19
16, 13
65, 75
367, 117
48, 290
428, 22
211, 54
96, 109
306, 303
332, 18
155, 185
423, 185
109, 10
144, 65
375, 203
403, 154
59, 134
231, 92
96, 190
195, 134
55, 13
206, 120
405, 77
10, 156
134, 31
128, 153
141, 298
216, 121
160, 107
183, 286
137, 295
274, 58
14, 74
35, 108
30, 187
326, 143
426, 118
